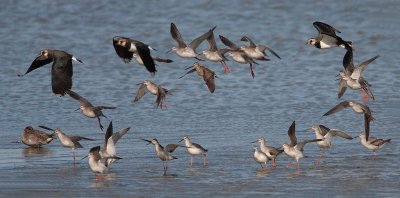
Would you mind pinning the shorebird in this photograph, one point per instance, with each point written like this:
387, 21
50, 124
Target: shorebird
261, 158
358, 108
68, 141
295, 149
35, 138
110, 140
97, 163
353, 76
256, 51
216, 55
127, 49
207, 74
270, 151
327, 134
194, 149
187, 50
327, 37
88, 109
238, 55
157, 90
61, 70
372, 143
163, 153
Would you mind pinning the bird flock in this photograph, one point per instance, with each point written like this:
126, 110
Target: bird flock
127, 49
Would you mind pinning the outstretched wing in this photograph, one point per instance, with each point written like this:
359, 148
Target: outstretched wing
246, 38
144, 53
38, 62
342, 87
141, 92
358, 71
262, 48
209, 79
338, 108
171, 147
324, 28
292, 134
301, 144
342, 134
228, 43
196, 42
348, 62
176, 35
81, 99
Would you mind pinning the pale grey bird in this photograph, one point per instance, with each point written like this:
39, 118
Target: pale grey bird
327, 134
238, 55
97, 163
295, 149
358, 108
87, 108
372, 143
353, 76
187, 50
256, 51
194, 149
110, 141
35, 138
216, 55
68, 141
165, 154
261, 158
270, 151
157, 90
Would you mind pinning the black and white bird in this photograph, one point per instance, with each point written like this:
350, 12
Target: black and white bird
353, 76
358, 108
88, 109
127, 49
157, 90
237, 54
61, 70
187, 50
327, 37
295, 149
194, 149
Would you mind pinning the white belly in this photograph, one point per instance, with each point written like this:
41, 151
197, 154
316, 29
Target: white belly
137, 58
89, 113
212, 56
186, 52
194, 151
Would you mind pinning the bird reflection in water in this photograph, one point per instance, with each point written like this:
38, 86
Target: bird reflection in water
35, 151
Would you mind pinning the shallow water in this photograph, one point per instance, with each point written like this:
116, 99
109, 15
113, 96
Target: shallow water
299, 87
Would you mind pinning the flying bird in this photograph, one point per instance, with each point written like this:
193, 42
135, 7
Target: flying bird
88, 109
327, 37
157, 90
256, 51
61, 70
187, 50
207, 74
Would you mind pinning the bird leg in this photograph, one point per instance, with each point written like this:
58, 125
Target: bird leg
364, 98
321, 154
191, 161
227, 69
101, 126
274, 162
166, 168
204, 161
73, 155
251, 70
290, 164
298, 166
374, 156
99, 176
